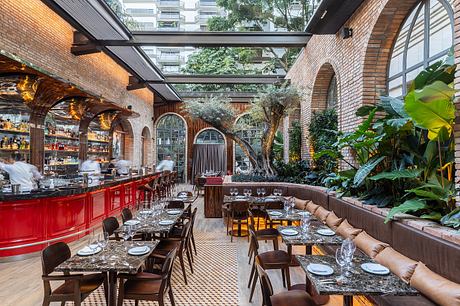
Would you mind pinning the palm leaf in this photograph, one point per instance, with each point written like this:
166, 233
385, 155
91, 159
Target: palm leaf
397, 174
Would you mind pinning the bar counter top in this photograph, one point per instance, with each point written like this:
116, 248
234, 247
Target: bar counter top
71, 190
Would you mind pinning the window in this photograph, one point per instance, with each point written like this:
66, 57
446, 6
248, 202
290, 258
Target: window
145, 26
210, 136
139, 12
171, 140
252, 133
332, 97
425, 37
168, 25
171, 68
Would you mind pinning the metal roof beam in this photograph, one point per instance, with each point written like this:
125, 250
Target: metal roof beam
213, 39
221, 79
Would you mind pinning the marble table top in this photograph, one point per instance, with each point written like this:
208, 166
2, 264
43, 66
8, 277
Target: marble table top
313, 238
114, 258
151, 225
360, 283
253, 199
292, 215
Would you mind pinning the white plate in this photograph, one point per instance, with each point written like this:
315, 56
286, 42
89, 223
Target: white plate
289, 232
140, 250
325, 232
275, 213
86, 251
182, 196
173, 212
145, 212
320, 269
375, 268
166, 222
132, 222
240, 197
304, 213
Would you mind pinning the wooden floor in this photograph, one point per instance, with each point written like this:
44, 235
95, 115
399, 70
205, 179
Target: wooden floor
20, 282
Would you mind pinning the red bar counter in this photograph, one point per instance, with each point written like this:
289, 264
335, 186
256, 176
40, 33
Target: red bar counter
31, 220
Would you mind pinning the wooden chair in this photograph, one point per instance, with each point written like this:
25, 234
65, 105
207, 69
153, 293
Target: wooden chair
109, 225
291, 297
76, 287
166, 245
148, 286
277, 259
238, 215
199, 184
272, 205
126, 214
264, 234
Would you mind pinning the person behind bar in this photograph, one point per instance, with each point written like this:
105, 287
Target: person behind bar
21, 172
91, 166
166, 164
122, 166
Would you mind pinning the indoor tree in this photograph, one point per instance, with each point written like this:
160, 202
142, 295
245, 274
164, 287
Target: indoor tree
268, 109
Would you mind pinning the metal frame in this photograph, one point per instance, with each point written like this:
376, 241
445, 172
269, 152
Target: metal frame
426, 41
221, 79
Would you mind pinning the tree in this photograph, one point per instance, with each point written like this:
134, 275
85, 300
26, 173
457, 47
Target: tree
269, 109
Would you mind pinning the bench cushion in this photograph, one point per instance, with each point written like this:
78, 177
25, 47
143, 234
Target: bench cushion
399, 264
369, 245
346, 230
333, 221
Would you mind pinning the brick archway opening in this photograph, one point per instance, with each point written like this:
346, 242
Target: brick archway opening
321, 86
146, 146
125, 129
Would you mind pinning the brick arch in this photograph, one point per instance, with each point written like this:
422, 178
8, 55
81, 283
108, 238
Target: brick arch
380, 46
147, 146
128, 146
321, 86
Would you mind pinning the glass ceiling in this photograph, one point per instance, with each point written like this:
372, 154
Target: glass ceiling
210, 15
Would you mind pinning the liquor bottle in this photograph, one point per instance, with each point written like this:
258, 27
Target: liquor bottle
7, 125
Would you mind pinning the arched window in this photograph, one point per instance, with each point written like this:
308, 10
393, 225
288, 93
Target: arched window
425, 37
332, 97
210, 136
146, 146
252, 133
171, 140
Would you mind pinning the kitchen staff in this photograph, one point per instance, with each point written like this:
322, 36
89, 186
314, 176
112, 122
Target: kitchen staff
166, 164
21, 172
122, 166
91, 166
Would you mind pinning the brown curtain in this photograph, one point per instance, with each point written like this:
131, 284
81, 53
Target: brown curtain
208, 157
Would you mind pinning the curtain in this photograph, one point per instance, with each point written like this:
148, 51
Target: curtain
208, 157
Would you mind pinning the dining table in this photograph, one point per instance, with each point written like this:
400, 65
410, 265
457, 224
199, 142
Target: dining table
359, 282
113, 259
185, 199
318, 234
148, 223
291, 215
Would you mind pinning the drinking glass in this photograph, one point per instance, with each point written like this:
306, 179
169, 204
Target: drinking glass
348, 249
342, 262
92, 244
262, 191
286, 206
102, 241
258, 192
249, 192
292, 204
305, 225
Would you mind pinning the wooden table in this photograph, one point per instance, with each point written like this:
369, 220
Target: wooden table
360, 283
113, 260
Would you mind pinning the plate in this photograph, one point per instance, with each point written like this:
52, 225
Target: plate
166, 222
132, 222
240, 197
289, 232
304, 213
145, 212
86, 251
182, 196
325, 232
375, 268
275, 213
173, 212
140, 250
320, 269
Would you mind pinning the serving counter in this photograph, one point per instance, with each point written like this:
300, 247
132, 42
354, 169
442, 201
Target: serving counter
29, 221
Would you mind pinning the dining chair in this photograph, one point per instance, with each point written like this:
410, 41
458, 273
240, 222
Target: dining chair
166, 245
263, 234
238, 215
148, 286
76, 287
270, 260
109, 225
291, 297
272, 205
192, 235
126, 214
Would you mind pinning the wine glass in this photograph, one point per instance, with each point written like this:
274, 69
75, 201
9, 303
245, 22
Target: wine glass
126, 234
348, 249
262, 191
92, 244
249, 192
342, 262
102, 241
292, 204
305, 225
258, 192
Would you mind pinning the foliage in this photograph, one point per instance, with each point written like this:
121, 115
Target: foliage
118, 9
295, 141
404, 156
278, 147
322, 132
268, 109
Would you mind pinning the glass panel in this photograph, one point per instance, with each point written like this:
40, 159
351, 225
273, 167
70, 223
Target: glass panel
210, 137
395, 88
252, 133
411, 75
171, 140
332, 97
441, 34
415, 49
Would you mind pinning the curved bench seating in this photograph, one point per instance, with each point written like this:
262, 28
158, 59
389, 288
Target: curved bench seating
442, 257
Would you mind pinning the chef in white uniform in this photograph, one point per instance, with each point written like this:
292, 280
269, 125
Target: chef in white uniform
21, 173
166, 165
93, 168
122, 166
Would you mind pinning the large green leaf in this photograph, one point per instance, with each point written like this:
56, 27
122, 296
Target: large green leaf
397, 174
425, 194
433, 116
441, 71
435, 91
452, 219
366, 169
408, 206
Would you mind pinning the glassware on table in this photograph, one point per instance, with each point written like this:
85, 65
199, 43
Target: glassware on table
348, 248
305, 225
102, 241
291, 204
286, 206
92, 244
258, 192
262, 191
342, 262
249, 192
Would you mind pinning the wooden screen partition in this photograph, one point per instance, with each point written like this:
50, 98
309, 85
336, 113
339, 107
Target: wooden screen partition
213, 199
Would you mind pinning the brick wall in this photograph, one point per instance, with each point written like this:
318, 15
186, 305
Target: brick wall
34, 33
360, 62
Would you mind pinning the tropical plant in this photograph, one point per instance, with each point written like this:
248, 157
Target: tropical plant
295, 141
322, 132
